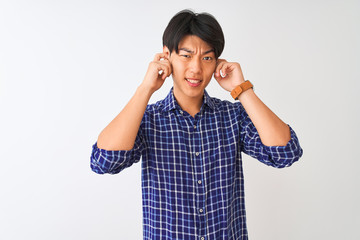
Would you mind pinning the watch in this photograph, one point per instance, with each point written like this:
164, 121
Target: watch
241, 88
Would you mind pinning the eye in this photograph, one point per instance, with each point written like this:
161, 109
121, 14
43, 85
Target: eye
185, 55
207, 58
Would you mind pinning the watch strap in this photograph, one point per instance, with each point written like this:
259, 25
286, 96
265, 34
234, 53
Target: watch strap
235, 93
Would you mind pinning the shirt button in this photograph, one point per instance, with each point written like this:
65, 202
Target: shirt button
194, 126
197, 153
202, 238
199, 182
181, 112
201, 210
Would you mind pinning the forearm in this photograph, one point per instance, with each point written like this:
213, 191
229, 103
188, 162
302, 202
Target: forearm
120, 134
272, 130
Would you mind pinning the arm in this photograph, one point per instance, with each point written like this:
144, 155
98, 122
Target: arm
121, 132
252, 145
272, 130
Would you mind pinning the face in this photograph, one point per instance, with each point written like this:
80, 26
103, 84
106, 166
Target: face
192, 67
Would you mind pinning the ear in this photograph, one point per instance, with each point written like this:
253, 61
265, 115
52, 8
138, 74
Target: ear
166, 51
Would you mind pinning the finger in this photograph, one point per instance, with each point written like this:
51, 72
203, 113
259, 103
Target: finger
168, 67
220, 81
159, 56
164, 62
223, 70
227, 68
218, 68
164, 71
220, 60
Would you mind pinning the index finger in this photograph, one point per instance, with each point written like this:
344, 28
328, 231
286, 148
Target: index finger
159, 56
219, 65
220, 61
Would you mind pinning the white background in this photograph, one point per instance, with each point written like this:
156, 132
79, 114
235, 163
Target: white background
67, 68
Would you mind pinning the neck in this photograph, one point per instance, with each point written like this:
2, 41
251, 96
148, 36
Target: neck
189, 104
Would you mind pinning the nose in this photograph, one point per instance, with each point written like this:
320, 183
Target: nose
195, 65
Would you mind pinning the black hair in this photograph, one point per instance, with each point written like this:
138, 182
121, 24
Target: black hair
202, 25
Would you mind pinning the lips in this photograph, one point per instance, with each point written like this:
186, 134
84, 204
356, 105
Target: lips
193, 81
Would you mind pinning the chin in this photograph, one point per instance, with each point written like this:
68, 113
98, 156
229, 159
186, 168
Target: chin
193, 91
192, 88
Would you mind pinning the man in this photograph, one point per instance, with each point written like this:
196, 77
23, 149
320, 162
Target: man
191, 143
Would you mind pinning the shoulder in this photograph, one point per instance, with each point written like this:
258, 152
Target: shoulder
165, 105
155, 109
227, 106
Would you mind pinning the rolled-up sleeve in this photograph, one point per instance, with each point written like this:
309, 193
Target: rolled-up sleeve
114, 161
275, 156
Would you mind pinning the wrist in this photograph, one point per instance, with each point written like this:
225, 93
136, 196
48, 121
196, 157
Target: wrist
145, 90
234, 85
245, 95
240, 89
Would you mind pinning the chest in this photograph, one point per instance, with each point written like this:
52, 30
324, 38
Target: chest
211, 136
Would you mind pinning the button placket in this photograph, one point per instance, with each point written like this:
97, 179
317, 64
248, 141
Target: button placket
199, 172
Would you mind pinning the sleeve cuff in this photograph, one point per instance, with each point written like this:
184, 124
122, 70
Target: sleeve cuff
110, 161
284, 156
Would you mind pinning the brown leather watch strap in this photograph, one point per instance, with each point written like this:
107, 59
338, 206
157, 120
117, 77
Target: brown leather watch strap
240, 89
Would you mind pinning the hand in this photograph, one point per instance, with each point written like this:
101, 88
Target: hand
159, 69
228, 74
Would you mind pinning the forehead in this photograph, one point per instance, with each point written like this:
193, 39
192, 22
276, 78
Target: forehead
194, 43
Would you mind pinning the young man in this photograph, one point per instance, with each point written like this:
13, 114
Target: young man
191, 143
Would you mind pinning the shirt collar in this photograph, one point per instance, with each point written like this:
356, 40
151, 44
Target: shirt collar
209, 101
170, 103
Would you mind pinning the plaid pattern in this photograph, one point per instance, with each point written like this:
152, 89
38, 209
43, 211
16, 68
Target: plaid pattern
192, 177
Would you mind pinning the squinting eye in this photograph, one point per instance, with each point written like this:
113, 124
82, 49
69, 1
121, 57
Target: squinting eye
186, 56
207, 58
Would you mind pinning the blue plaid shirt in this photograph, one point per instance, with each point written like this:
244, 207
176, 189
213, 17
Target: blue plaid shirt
192, 177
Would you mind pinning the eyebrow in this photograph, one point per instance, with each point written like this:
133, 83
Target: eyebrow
192, 52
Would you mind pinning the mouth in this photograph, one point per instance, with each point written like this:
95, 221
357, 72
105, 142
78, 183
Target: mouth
193, 82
